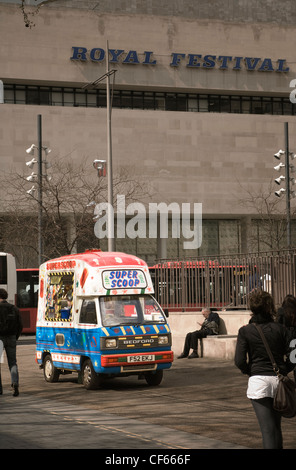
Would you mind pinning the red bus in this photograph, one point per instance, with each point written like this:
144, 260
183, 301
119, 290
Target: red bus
27, 297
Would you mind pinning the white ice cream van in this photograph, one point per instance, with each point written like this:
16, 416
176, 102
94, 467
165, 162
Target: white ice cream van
97, 316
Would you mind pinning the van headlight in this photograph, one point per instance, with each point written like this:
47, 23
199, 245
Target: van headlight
163, 339
110, 343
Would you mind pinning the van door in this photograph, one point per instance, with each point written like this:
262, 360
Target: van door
86, 331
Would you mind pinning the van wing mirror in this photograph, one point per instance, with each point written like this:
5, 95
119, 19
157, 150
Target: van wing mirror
166, 312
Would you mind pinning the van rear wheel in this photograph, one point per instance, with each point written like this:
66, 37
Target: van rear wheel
90, 379
51, 373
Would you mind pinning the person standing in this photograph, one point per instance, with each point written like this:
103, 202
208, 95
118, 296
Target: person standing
10, 330
210, 326
252, 359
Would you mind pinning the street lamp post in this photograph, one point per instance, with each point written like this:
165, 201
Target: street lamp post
109, 159
288, 167
90, 86
39, 178
40, 191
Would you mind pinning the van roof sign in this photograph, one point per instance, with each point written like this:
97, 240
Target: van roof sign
124, 279
101, 273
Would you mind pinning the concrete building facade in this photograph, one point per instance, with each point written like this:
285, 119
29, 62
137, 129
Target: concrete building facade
201, 94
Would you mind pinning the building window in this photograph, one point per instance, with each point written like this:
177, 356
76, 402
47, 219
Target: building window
161, 101
38, 95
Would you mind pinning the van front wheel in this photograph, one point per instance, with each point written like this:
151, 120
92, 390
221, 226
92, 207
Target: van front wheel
90, 379
154, 378
51, 373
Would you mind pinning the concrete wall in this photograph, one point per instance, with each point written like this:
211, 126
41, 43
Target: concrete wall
43, 52
213, 159
228, 10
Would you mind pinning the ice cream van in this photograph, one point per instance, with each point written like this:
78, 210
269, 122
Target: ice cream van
97, 316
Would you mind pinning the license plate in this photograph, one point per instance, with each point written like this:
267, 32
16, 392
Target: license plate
141, 358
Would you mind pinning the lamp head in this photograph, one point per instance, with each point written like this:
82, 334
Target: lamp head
30, 150
32, 177
279, 180
31, 191
279, 166
279, 154
46, 150
30, 164
280, 192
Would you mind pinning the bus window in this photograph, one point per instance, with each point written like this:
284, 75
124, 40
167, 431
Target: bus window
8, 276
27, 297
3, 269
27, 288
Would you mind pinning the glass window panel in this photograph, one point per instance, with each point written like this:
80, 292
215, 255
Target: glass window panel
246, 102
91, 98
68, 97
277, 106
203, 104
125, 101
214, 104
148, 100
235, 105
160, 101
256, 106
57, 97
102, 99
137, 97
225, 104
80, 98
171, 102
287, 106
192, 103
9, 95
266, 106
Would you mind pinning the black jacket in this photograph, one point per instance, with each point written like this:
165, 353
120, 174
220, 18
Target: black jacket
10, 320
251, 356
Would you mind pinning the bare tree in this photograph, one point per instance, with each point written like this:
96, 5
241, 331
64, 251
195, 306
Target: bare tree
29, 13
68, 223
269, 223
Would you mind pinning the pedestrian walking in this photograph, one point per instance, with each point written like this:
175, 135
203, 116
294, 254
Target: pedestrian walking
252, 359
10, 330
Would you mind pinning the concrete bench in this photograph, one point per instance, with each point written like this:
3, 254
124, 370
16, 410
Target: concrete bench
220, 346
216, 346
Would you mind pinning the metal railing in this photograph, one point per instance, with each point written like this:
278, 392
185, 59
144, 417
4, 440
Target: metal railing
224, 281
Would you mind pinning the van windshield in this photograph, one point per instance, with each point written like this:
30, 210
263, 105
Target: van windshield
119, 310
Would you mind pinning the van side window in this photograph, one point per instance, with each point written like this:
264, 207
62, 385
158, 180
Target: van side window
88, 312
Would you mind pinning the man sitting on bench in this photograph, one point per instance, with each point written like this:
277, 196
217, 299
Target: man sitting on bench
210, 326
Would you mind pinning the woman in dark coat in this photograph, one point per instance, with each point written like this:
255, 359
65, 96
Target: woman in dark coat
252, 359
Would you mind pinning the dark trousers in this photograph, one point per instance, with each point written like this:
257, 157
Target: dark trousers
269, 422
191, 340
9, 344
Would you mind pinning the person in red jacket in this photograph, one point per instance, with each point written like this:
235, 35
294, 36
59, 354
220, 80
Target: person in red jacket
252, 359
10, 330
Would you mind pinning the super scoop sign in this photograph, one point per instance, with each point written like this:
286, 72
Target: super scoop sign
124, 279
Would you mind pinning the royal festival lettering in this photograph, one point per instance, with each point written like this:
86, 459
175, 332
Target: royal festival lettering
124, 279
198, 61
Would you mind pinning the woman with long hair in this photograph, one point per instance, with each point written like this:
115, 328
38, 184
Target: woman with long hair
252, 359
